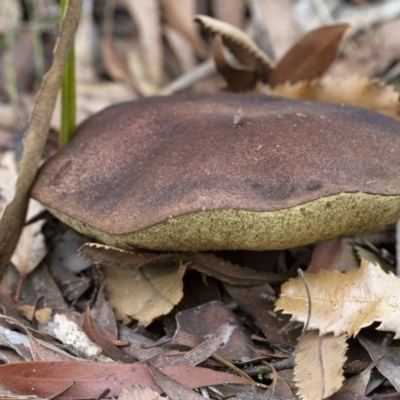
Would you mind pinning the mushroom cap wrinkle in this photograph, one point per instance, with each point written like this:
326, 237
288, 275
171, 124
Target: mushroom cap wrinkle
181, 173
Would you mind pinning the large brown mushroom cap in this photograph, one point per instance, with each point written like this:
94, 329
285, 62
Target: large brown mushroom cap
176, 173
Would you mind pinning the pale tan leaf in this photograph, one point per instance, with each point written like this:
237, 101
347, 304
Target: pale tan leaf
345, 303
8, 178
146, 15
137, 393
310, 57
31, 247
318, 371
275, 24
114, 63
143, 294
230, 11
181, 48
179, 16
355, 91
84, 45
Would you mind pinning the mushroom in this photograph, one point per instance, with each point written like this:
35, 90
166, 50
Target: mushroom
185, 173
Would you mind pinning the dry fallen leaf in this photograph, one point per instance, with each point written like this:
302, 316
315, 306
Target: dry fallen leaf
138, 393
86, 380
345, 303
355, 91
310, 57
318, 371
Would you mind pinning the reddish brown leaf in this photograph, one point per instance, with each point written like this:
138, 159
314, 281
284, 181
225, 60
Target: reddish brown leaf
310, 57
172, 388
104, 340
89, 379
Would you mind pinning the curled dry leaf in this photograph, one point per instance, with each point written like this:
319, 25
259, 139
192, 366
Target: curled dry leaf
238, 78
345, 303
318, 371
241, 46
310, 57
356, 91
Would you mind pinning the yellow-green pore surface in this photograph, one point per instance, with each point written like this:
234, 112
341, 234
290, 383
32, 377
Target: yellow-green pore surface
178, 174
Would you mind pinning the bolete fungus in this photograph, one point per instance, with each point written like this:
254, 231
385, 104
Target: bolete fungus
184, 173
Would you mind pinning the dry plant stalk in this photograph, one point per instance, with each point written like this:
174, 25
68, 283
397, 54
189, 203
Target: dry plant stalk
36, 136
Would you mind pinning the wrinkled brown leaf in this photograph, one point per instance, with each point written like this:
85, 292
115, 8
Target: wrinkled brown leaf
310, 57
319, 365
345, 303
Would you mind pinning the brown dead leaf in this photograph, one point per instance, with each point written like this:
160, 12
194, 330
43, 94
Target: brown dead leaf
104, 340
146, 15
388, 365
35, 138
345, 303
355, 91
206, 263
206, 349
333, 254
258, 301
172, 388
226, 271
238, 78
310, 57
86, 380
318, 371
197, 324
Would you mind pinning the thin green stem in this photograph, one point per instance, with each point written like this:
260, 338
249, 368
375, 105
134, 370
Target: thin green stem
68, 99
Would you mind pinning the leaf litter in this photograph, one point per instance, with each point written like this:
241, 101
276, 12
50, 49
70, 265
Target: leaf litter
188, 335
